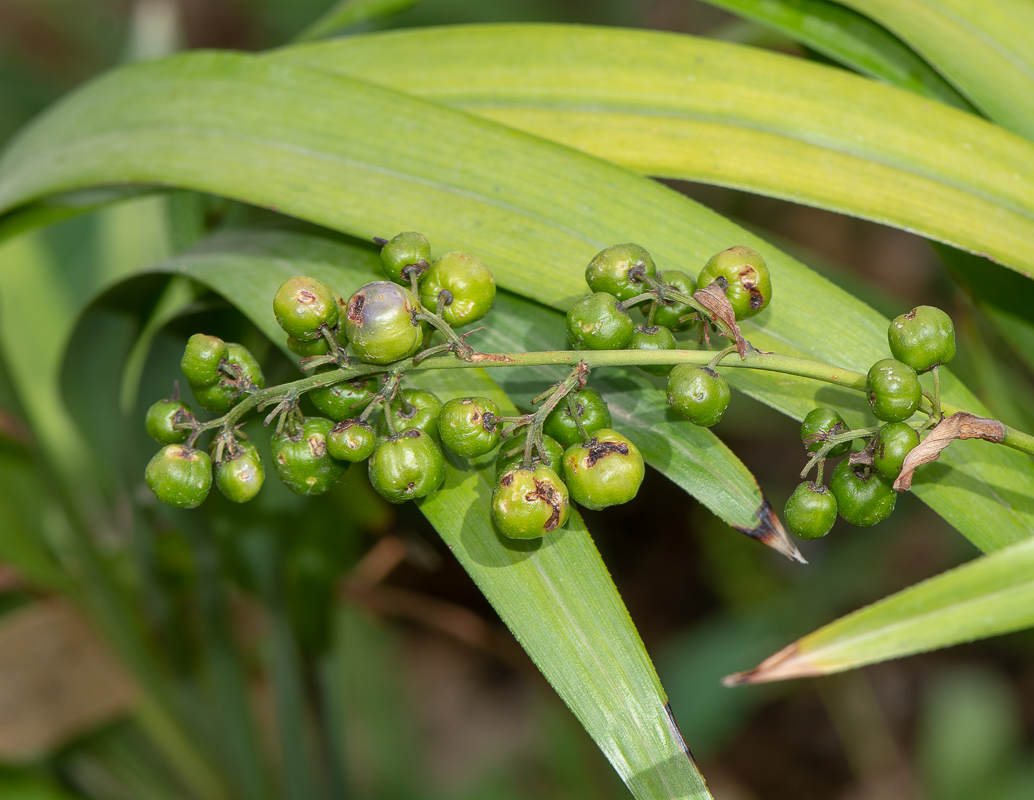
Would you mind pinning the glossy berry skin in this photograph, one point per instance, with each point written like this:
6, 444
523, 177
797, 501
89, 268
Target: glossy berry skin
592, 412
241, 362
529, 503
699, 394
614, 270
599, 322
220, 397
749, 285
669, 312
303, 305
201, 359
351, 440
553, 458
381, 323
468, 285
864, 496
407, 466
468, 426
409, 249
893, 390
343, 400
820, 422
417, 410
811, 511
240, 475
894, 441
922, 338
605, 471
315, 347
161, 420
653, 337
302, 460
180, 476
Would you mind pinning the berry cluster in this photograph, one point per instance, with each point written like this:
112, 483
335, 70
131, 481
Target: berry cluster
861, 488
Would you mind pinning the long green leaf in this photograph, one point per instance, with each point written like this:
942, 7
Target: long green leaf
989, 596
985, 48
850, 38
679, 107
555, 594
370, 161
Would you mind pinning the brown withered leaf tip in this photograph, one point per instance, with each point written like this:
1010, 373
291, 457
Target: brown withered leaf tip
784, 665
770, 532
961, 425
712, 297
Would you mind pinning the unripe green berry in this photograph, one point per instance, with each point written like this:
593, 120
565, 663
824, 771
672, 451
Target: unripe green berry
599, 322
303, 305
301, 458
922, 338
240, 474
466, 285
201, 359
351, 440
605, 471
653, 337
180, 476
592, 412
553, 457
407, 466
618, 270
529, 503
381, 323
669, 312
893, 390
416, 409
408, 249
748, 283
699, 394
894, 441
821, 422
315, 347
220, 397
864, 496
811, 511
162, 418
343, 400
468, 426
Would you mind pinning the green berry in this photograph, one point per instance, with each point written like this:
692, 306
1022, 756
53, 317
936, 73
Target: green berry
811, 511
351, 440
416, 410
222, 396
301, 458
240, 474
512, 453
618, 270
894, 441
408, 249
864, 496
162, 418
922, 338
316, 347
343, 400
303, 305
605, 471
468, 426
529, 503
653, 337
821, 422
591, 410
669, 312
698, 393
748, 284
381, 323
180, 476
893, 390
407, 466
599, 322
466, 285
201, 359
243, 364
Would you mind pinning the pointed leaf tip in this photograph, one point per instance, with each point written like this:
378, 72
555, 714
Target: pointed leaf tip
770, 532
787, 664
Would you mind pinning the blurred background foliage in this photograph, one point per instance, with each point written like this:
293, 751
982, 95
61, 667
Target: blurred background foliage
431, 697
